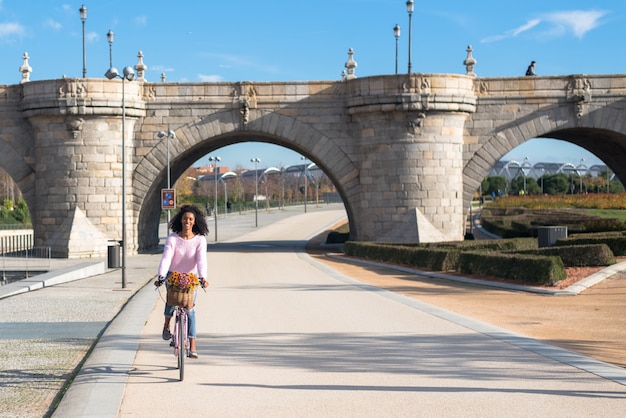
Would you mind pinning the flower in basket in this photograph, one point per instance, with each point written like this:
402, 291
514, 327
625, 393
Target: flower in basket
183, 280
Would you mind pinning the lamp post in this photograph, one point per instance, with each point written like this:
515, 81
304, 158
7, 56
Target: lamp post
396, 33
524, 166
110, 38
83, 18
581, 168
169, 134
223, 178
306, 180
256, 191
127, 74
410, 5
215, 173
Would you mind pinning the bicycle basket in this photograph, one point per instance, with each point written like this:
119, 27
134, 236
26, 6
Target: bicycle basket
180, 297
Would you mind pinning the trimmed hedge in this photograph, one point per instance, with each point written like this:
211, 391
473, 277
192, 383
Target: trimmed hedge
487, 244
578, 255
510, 222
431, 259
617, 243
541, 270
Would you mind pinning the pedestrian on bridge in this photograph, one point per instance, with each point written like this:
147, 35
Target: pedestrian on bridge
531, 69
185, 252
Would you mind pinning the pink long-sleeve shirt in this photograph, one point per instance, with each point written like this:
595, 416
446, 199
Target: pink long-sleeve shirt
187, 256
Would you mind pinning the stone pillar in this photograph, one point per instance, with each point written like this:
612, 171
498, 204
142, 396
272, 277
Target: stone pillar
414, 142
79, 164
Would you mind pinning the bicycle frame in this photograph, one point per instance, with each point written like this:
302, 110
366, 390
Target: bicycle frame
180, 338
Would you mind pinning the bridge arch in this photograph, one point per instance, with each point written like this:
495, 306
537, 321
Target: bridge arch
221, 129
601, 133
22, 173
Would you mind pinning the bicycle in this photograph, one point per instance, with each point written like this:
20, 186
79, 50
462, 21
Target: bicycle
180, 337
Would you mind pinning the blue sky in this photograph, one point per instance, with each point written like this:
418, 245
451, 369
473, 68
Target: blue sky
279, 40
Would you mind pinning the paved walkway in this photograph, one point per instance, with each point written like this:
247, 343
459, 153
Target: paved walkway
50, 322
316, 343
282, 335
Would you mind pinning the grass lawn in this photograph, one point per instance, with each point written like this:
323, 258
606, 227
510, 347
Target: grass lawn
618, 214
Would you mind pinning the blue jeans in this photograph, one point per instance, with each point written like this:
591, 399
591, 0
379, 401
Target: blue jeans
191, 316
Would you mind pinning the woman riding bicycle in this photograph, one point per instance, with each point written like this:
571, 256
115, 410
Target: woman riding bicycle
185, 252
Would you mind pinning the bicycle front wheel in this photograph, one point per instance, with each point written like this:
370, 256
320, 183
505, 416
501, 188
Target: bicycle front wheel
182, 349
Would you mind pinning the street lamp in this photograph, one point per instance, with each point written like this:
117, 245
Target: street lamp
110, 38
396, 33
169, 134
83, 18
525, 165
127, 74
223, 178
270, 170
581, 167
256, 191
410, 5
306, 180
215, 173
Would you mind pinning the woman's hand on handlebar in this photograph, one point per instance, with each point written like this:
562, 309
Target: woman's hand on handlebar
159, 281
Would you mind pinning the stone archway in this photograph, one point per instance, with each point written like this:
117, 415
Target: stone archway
219, 130
602, 141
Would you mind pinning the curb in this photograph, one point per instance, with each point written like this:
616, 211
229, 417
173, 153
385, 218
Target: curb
51, 278
572, 290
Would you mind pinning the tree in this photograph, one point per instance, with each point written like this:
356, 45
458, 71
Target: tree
493, 185
555, 184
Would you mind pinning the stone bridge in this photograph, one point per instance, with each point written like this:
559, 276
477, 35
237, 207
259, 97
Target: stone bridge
405, 152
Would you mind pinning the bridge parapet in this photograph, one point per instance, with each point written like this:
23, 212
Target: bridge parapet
261, 94
75, 96
551, 87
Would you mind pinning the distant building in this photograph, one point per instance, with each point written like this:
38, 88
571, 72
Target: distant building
513, 169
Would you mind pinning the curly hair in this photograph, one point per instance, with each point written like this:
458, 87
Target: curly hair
200, 226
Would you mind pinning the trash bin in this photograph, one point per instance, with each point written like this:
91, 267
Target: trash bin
113, 255
547, 235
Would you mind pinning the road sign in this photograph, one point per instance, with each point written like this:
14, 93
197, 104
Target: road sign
168, 199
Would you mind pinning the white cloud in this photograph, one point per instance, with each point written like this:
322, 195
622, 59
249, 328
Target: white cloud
162, 68
53, 24
556, 24
579, 22
11, 29
528, 26
512, 33
209, 78
91, 36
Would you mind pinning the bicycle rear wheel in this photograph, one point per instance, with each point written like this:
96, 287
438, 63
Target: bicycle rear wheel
182, 350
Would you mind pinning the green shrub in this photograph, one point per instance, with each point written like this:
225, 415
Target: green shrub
578, 255
540, 270
431, 259
617, 244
